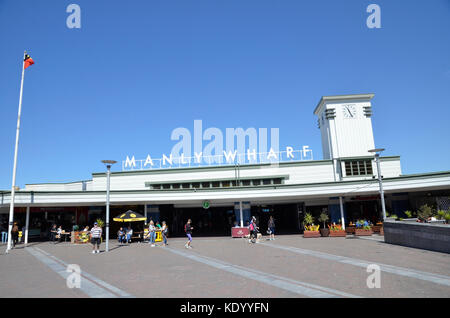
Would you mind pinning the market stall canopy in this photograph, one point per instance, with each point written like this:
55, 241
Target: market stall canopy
129, 216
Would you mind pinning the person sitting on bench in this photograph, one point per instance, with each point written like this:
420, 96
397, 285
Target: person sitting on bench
129, 234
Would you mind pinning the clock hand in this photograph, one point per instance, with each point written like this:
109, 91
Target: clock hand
349, 111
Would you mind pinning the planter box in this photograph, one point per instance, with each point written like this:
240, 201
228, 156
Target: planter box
77, 238
376, 228
342, 233
361, 232
350, 229
324, 232
308, 234
433, 237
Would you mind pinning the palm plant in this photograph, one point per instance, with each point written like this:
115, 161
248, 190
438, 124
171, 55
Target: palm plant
100, 222
308, 220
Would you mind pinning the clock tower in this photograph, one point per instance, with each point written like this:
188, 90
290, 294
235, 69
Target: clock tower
346, 127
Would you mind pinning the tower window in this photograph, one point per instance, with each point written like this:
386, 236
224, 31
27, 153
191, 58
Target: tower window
358, 168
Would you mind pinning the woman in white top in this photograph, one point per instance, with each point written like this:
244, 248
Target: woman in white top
58, 233
129, 234
151, 232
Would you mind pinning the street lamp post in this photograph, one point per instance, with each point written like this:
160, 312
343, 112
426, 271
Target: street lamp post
108, 164
377, 160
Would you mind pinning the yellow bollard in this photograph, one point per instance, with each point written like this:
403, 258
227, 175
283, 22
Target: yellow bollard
158, 236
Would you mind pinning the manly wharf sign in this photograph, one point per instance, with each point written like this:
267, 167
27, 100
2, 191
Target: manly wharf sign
250, 146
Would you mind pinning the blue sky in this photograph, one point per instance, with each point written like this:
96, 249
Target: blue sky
138, 69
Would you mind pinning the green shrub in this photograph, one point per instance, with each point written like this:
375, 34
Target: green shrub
447, 217
425, 212
440, 215
408, 214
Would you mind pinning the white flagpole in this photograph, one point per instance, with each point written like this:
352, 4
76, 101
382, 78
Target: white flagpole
13, 187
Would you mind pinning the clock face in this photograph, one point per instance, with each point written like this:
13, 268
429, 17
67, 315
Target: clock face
349, 111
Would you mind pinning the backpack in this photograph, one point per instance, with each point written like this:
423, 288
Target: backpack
185, 228
252, 227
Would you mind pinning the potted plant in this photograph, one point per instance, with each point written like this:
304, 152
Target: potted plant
363, 228
72, 234
311, 230
323, 218
350, 229
377, 227
336, 230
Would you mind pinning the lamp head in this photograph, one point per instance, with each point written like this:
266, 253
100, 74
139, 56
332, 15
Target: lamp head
376, 150
109, 162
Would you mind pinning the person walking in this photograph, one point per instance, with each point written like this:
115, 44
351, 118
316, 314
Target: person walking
152, 233
53, 232
15, 234
271, 227
164, 231
253, 227
96, 235
188, 229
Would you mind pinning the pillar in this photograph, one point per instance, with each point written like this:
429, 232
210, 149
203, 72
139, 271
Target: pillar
27, 223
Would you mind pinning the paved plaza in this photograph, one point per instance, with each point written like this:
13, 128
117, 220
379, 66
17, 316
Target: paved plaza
291, 266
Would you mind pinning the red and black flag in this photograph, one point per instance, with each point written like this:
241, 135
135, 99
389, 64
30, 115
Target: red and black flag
28, 61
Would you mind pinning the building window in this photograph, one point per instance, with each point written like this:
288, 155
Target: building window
246, 183
215, 184
226, 184
277, 181
186, 185
358, 168
156, 186
267, 181
166, 186
256, 182
196, 185
176, 186
206, 185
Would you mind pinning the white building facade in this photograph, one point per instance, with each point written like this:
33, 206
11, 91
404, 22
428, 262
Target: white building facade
287, 190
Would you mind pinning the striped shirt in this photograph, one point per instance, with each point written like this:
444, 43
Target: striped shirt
96, 232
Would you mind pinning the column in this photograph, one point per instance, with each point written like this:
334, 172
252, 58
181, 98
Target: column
27, 223
145, 213
341, 206
242, 212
